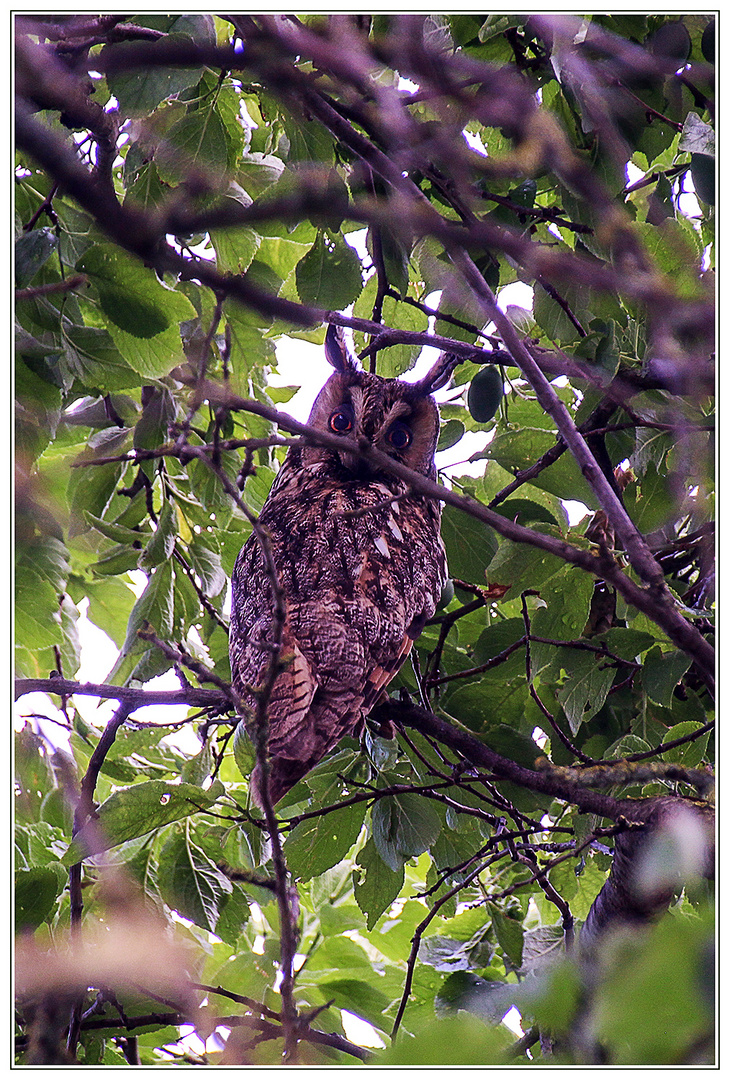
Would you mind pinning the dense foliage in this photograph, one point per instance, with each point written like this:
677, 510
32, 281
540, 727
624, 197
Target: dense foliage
190, 190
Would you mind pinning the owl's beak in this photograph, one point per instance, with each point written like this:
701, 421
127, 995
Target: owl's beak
360, 469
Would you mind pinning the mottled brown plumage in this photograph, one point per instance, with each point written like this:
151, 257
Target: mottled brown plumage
358, 588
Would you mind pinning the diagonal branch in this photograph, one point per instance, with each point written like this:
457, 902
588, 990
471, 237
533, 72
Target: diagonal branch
657, 604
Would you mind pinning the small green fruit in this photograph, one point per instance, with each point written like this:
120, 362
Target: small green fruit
708, 42
672, 41
703, 177
485, 393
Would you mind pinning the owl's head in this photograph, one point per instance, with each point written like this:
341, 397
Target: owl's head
398, 418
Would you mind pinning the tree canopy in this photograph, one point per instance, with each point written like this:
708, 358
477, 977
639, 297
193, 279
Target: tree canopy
537, 834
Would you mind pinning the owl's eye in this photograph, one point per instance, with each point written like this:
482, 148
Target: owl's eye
400, 436
341, 422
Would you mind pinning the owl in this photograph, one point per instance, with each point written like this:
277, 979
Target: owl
360, 571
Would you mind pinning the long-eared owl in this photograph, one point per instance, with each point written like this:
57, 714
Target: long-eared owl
360, 571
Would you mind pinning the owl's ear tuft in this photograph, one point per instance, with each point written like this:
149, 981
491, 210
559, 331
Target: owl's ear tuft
336, 350
439, 374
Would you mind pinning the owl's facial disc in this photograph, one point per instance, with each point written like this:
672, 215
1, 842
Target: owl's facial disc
396, 418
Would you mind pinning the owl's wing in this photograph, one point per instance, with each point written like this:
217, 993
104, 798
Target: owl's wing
290, 699
379, 677
289, 722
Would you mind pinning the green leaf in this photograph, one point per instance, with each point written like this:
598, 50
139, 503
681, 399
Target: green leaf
95, 360
32, 250
90, 489
651, 502
234, 914
466, 992
244, 752
110, 604
38, 410
330, 274
520, 448
396, 359
189, 882
138, 307
586, 687
690, 754
450, 434
403, 826
661, 673
40, 575
140, 91
521, 566
554, 999
470, 545
552, 317
235, 248
156, 607
495, 639
526, 512
121, 293
444, 953
697, 136
162, 543
567, 597
319, 843
510, 935
376, 885
448, 1043
395, 259
36, 891
628, 643
670, 964
121, 534
136, 810
206, 562
362, 997
676, 251
198, 138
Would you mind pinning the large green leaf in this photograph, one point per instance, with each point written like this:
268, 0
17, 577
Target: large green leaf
586, 686
315, 845
154, 607
376, 885
396, 359
330, 274
137, 810
139, 92
403, 826
521, 447
32, 250
190, 882
662, 672
142, 313
35, 895
521, 566
470, 545
197, 138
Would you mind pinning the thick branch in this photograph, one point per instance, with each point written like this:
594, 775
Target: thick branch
133, 696
557, 787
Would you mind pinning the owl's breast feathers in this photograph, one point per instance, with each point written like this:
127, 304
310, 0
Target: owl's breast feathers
360, 575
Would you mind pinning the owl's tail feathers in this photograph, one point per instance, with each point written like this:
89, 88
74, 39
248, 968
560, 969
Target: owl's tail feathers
284, 773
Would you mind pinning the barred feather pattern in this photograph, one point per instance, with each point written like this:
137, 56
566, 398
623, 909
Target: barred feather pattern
360, 575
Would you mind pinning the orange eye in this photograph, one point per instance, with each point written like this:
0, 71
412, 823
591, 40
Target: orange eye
400, 436
340, 422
